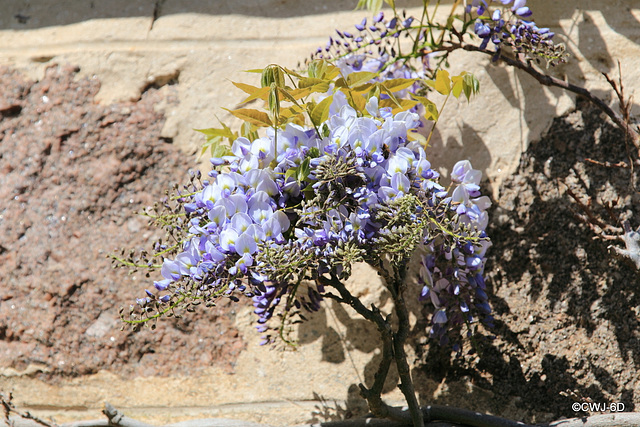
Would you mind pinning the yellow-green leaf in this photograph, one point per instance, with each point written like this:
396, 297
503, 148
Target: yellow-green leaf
363, 88
219, 150
216, 148
341, 82
372, 5
254, 92
400, 105
246, 88
359, 78
391, 96
290, 111
457, 87
309, 81
249, 131
295, 94
256, 117
316, 85
320, 88
356, 100
395, 85
321, 69
417, 136
443, 82
332, 72
374, 92
320, 112
431, 112
292, 73
213, 132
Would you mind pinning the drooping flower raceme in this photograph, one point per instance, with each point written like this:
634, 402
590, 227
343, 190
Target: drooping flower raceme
508, 26
295, 204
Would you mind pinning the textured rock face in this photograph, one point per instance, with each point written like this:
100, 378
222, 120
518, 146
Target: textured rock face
83, 150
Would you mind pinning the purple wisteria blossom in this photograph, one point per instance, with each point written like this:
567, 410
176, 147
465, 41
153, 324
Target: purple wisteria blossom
294, 204
510, 26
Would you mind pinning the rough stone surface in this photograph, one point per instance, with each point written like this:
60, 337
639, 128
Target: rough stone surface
74, 175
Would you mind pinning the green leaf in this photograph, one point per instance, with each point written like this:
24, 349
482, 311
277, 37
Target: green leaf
471, 85
443, 82
303, 171
321, 69
274, 101
291, 172
372, 5
321, 111
256, 117
217, 148
272, 74
313, 153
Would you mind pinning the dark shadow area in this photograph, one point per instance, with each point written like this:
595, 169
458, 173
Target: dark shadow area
23, 15
355, 334
566, 307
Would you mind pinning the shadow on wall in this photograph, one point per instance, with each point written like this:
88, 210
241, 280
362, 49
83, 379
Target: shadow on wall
565, 305
566, 325
21, 15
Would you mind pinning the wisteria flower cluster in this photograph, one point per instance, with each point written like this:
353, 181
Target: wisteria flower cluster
367, 37
507, 26
296, 204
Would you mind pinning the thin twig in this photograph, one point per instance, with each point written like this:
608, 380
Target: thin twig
620, 164
9, 408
